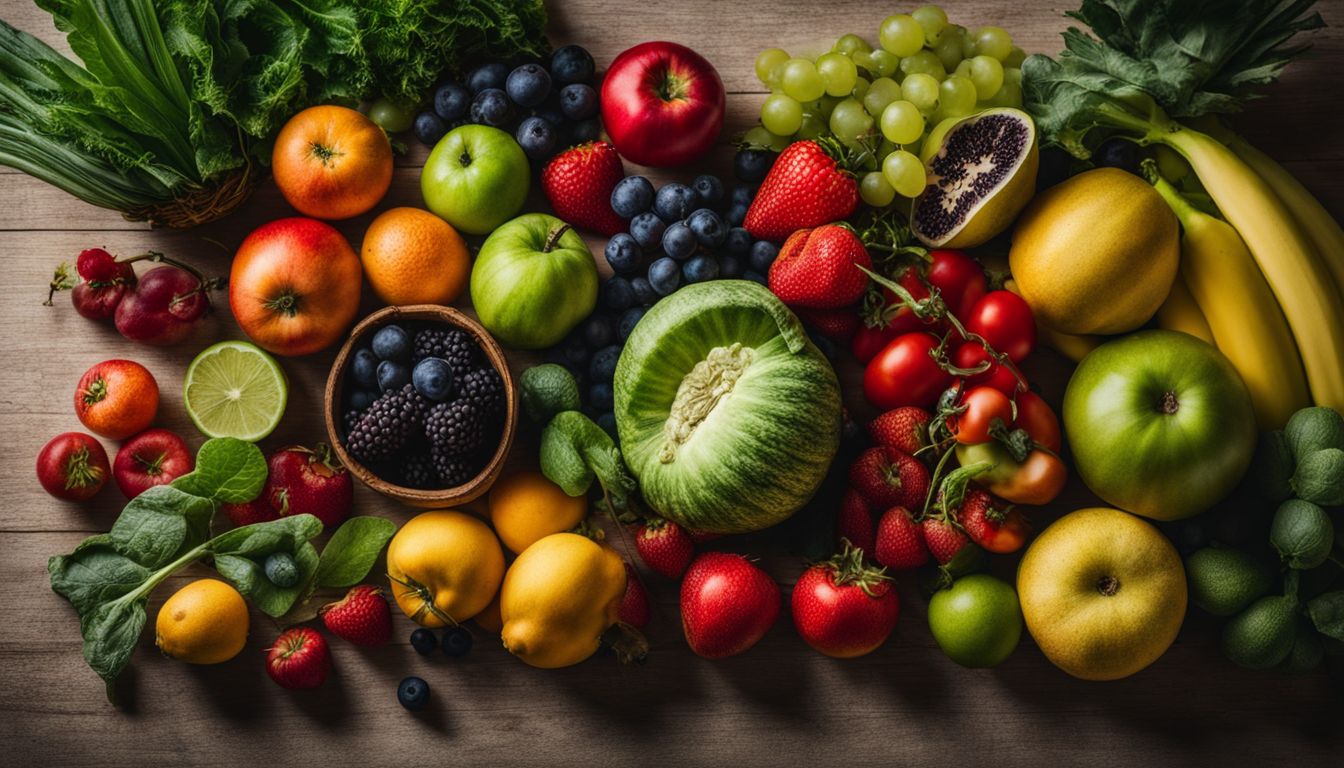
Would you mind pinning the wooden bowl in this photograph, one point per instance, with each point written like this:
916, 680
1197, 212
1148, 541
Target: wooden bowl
335, 395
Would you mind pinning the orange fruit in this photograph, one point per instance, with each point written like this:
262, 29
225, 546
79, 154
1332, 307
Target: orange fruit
332, 162
412, 256
526, 507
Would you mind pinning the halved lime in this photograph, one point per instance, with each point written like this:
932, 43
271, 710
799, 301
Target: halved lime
234, 389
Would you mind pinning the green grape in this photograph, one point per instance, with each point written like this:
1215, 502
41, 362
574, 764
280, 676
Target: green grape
801, 81
922, 91
757, 136
885, 63
905, 173
826, 104
948, 49
860, 88
916, 146
781, 115
849, 44
838, 72
863, 60
901, 122
876, 190
963, 69
956, 96
932, 19
1015, 58
886, 147
849, 121
924, 62
993, 42
901, 35
1012, 75
778, 143
1010, 95
987, 75
967, 42
812, 127
768, 61
882, 92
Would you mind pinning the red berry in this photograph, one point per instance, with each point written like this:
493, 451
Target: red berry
900, 542
727, 604
906, 429
943, 538
361, 617
665, 547
819, 269
97, 265
804, 188
887, 477
634, 609
578, 183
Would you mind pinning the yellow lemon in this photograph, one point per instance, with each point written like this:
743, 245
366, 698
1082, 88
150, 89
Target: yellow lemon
204, 622
445, 567
525, 507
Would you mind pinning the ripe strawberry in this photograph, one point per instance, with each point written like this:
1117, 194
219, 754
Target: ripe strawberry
309, 481
634, 608
906, 429
299, 659
855, 522
361, 617
257, 510
816, 269
943, 538
887, 478
900, 542
843, 608
992, 523
665, 547
727, 604
578, 182
804, 188
838, 325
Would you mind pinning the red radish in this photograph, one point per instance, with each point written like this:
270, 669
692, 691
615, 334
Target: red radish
665, 547
844, 608
153, 457
299, 659
73, 466
309, 481
727, 604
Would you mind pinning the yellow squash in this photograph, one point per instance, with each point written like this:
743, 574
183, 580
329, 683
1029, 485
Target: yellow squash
445, 567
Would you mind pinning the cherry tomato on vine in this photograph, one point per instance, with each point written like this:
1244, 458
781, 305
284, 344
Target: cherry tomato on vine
1036, 481
1000, 377
867, 342
985, 408
1004, 320
958, 278
1039, 420
905, 373
992, 523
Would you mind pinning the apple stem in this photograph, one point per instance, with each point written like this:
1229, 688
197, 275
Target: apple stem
553, 239
1108, 585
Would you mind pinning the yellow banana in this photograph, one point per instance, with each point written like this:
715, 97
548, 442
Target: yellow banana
1245, 322
1073, 346
1296, 274
1181, 313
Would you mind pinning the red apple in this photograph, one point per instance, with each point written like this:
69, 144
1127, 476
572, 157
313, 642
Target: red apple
662, 104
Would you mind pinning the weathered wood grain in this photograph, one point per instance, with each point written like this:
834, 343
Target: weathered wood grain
778, 704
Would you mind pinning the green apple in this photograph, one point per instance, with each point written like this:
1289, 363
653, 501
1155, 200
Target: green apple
476, 178
976, 621
1160, 424
533, 281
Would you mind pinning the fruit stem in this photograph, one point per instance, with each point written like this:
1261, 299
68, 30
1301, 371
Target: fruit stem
79, 473
1169, 405
287, 302
1108, 585
323, 153
62, 280
553, 239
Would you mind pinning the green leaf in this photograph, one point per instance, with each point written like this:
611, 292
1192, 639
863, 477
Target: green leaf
110, 634
94, 574
227, 470
285, 534
160, 523
248, 575
1327, 614
352, 551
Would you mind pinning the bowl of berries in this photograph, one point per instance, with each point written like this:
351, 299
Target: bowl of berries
420, 405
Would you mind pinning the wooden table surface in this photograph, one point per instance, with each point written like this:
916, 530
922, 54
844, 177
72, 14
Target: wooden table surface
779, 704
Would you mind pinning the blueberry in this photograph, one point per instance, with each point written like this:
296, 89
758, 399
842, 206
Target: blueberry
392, 343
742, 194
433, 378
456, 641
631, 196
363, 398
622, 254
424, 641
730, 266
392, 375
647, 229
1118, 153
585, 131
700, 269
572, 64
491, 107
738, 242
607, 421
492, 75
708, 228
364, 368
429, 128
603, 366
578, 101
528, 85
598, 331
665, 276
737, 213
755, 277
451, 102
710, 190
752, 164
675, 202
551, 116
617, 295
629, 319
413, 693
574, 350
679, 241
537, 138
763, 253
644, 293
600, 397
281, 570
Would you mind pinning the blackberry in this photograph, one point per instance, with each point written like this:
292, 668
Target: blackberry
385, 427
452, 344
484, 389
418, 472
452, 471
454, 429
349, 420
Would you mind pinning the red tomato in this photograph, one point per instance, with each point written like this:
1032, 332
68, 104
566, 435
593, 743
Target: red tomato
1004, 320
1039, 420
993, 524
867, 342
984, 407
1000, 377
905, 373
958, 279
843, 608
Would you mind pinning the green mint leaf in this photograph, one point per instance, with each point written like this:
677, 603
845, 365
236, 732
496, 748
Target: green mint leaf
110, 633
1327, 614
227, 470
94, 574
352, 551
160, 523
248, 575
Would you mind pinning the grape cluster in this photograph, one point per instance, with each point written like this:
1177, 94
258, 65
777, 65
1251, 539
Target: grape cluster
923, 71
547, 105
679, 234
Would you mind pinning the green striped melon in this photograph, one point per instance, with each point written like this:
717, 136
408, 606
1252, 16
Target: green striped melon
728, 414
